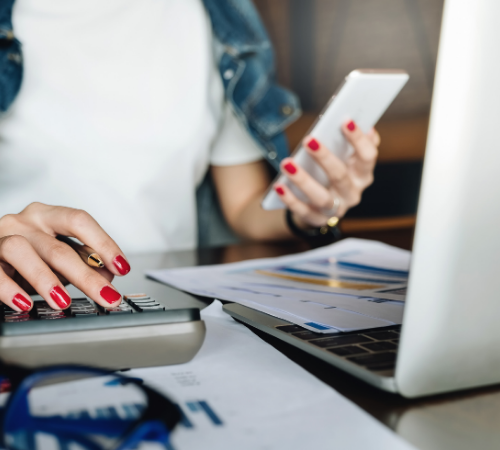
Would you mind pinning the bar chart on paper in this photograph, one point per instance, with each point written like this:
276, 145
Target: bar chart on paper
200, 410
196, 412
193, 412
352, 285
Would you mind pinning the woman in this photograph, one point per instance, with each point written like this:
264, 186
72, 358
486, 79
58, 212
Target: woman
123, 107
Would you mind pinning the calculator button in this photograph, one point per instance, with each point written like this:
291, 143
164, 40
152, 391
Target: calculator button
145, 305
17, 318
150, 308
52, 317
15, 314
135, 296
118, 311
122, 308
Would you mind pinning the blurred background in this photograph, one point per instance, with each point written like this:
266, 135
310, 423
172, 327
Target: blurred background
318, 42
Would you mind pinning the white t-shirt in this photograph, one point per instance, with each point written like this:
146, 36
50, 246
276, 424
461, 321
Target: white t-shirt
120, 113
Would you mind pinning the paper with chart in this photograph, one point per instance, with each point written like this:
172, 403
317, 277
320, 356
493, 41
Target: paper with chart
351, 285
241, 393
237, 393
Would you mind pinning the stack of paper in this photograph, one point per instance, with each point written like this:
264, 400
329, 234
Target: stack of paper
351, 285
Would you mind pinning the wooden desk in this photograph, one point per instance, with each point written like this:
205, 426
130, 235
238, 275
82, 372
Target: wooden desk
465, 420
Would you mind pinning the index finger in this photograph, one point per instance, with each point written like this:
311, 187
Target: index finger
80, 224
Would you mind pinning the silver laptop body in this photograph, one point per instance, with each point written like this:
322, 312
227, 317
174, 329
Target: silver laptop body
450, 337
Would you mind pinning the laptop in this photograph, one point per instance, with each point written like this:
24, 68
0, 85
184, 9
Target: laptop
450, 335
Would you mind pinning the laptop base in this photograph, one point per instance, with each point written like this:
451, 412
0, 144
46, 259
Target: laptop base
369, 356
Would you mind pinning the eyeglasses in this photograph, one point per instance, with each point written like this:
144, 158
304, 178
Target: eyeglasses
73, 407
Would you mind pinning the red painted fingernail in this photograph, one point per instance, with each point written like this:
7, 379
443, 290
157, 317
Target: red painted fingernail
279, 190
290, 168
351, 126
109, 294
122, 265
62, 299
21, 302
313, 144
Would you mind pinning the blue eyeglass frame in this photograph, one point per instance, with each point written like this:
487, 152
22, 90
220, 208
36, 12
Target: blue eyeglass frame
155, 423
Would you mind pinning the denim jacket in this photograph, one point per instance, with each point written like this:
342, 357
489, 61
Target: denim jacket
247, 71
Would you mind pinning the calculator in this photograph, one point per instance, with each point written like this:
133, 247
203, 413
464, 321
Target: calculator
140, 332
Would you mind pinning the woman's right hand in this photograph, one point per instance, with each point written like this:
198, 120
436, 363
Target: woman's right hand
32, 260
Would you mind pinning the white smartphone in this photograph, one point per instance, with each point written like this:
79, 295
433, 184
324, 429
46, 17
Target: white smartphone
363, 97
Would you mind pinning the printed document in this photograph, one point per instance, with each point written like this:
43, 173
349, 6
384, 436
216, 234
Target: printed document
350, 285
241, 393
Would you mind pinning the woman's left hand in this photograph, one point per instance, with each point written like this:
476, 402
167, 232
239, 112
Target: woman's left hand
347, 179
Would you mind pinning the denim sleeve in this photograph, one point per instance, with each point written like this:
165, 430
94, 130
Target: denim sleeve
248, 74
11, 67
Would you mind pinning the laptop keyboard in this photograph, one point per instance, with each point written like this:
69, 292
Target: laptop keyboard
373, 350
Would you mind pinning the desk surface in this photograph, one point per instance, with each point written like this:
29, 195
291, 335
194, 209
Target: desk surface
465, 420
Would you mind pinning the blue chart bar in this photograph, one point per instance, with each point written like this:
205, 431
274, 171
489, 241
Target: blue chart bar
133, 410
210, 413
303, 272
184, 420
193, 406
107, 413
83, 414
200, 406
318, 326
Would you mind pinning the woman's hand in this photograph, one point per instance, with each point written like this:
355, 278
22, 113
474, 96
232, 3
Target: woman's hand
33, 260
347, 179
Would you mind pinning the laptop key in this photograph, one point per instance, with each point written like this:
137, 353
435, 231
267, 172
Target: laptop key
341, 340
380, 346
348, 350
382, 335
374, 358
307, 335
381, 367
290, 328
